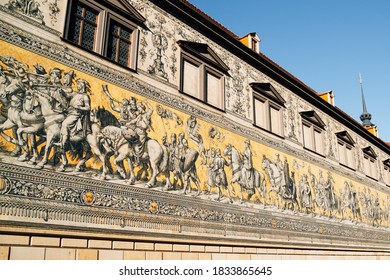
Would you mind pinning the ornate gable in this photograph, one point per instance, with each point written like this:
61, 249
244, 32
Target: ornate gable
313, 117
205, 53
370, 152
346, 137
269, 91
127, 8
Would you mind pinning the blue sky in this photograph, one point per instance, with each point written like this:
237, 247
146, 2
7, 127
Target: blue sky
325, 44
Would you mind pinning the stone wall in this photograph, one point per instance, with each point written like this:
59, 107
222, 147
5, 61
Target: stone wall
38, 247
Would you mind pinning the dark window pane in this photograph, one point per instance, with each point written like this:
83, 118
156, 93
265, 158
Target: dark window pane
83, 25
123, 53
112, 48
125, 34
74, 35
118, 48
114, 29
79, 10
91, 15
88, 36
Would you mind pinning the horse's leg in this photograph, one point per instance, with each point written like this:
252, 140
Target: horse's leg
88, 154
186, 184
64, 161
155, 172
241, 194
34, 149
168, 185
118, 161
92, 141
195, 181
23, 133
10, 125
49, 144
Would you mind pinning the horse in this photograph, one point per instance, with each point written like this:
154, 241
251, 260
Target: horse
112, 139
371, 209
249, 186
350, 202
33, 125
281, 184
276, 178
13, 97
53, 122
325, 197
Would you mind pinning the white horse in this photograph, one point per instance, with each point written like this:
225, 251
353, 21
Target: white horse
53, 122
249, 186
154, 155
13, 96
276, 179
324, 198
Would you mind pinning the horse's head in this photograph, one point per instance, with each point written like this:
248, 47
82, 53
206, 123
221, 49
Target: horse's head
97, 115
104, 117
14, 87
228, 150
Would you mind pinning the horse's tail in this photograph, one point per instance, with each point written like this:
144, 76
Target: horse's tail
77, 150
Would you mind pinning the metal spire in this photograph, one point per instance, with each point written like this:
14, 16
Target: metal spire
365, 117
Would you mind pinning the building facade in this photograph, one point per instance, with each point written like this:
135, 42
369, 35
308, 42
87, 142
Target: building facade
135, 129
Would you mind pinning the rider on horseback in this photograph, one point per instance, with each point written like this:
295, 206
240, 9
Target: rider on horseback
78, 119
142, 123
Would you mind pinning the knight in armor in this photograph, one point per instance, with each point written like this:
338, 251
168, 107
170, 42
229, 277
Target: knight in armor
78, 119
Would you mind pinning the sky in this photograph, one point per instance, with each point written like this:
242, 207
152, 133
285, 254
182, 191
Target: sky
325, 44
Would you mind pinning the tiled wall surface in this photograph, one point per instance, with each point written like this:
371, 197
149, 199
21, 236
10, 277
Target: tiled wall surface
19, 247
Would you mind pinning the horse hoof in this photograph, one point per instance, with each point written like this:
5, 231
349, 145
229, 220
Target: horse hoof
149, 186
131, 181
39, 166
15, 152
22, 158
61, 169
103, 177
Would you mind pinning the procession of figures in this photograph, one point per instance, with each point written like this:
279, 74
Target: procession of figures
48, 116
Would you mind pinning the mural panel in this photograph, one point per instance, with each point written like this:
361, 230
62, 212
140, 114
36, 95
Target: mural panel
54, 117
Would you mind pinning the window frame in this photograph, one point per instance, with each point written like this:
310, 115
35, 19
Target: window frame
370, 158
204, 68
386, 168
106, 15
268, 104
270, 98
311, 120
345, 143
